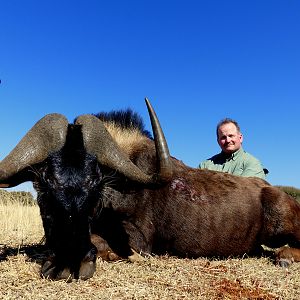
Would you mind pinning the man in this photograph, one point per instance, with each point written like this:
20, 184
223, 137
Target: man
233, 159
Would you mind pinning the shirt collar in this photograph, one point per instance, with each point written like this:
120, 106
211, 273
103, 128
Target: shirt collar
233, 156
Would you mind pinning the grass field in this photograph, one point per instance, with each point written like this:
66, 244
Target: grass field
156, 278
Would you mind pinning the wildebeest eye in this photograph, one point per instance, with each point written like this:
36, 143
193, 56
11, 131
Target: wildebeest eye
94, 178
92, 181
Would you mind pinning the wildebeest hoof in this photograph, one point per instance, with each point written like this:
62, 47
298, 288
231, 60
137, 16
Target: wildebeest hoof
285, 256
87, 269
48, 269
284, 263
51, 271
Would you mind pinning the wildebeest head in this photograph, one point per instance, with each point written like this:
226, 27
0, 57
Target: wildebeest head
68, 189
66, 163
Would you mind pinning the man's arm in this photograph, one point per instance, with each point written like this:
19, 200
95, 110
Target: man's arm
253, 168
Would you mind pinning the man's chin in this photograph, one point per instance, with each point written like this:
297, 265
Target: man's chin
229, 150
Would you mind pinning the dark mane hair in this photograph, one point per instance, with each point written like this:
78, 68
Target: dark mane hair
126, 119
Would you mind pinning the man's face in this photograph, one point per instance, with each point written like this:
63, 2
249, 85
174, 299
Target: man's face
229, 138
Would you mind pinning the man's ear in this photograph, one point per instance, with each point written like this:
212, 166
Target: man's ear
218, 141
241, 137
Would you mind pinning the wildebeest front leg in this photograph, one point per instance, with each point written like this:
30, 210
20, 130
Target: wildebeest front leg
55, 270
139, 240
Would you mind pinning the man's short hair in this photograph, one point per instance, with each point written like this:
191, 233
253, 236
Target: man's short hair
227, 121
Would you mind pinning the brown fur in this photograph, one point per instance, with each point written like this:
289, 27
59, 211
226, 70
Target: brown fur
103, 249
207, 213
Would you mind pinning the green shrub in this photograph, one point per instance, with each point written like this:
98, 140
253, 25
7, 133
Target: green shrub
292, 191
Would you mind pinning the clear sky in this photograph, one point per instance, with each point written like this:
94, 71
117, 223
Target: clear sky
197, 61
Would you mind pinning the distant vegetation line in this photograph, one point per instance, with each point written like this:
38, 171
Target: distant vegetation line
294, 192
27, 198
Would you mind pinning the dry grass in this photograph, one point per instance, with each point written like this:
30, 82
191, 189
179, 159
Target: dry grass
156, 278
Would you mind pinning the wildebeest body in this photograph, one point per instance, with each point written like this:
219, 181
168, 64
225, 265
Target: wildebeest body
187, 217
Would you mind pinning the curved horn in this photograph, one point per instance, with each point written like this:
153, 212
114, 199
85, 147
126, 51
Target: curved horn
165, 167
46, 136
99, 142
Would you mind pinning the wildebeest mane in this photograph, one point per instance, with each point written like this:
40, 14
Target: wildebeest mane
125, 119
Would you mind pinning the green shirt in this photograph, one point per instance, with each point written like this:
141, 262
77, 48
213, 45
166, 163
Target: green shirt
238, 163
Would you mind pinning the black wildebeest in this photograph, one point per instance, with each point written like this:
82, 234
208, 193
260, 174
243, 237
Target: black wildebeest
103, 184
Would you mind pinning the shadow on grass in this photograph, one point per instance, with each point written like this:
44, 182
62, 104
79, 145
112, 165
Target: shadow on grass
35, 252
40, 252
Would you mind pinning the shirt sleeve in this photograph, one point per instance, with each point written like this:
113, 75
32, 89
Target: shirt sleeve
253, 168
202, 165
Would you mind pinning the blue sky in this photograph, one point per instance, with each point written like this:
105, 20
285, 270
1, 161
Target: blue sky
197, 61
